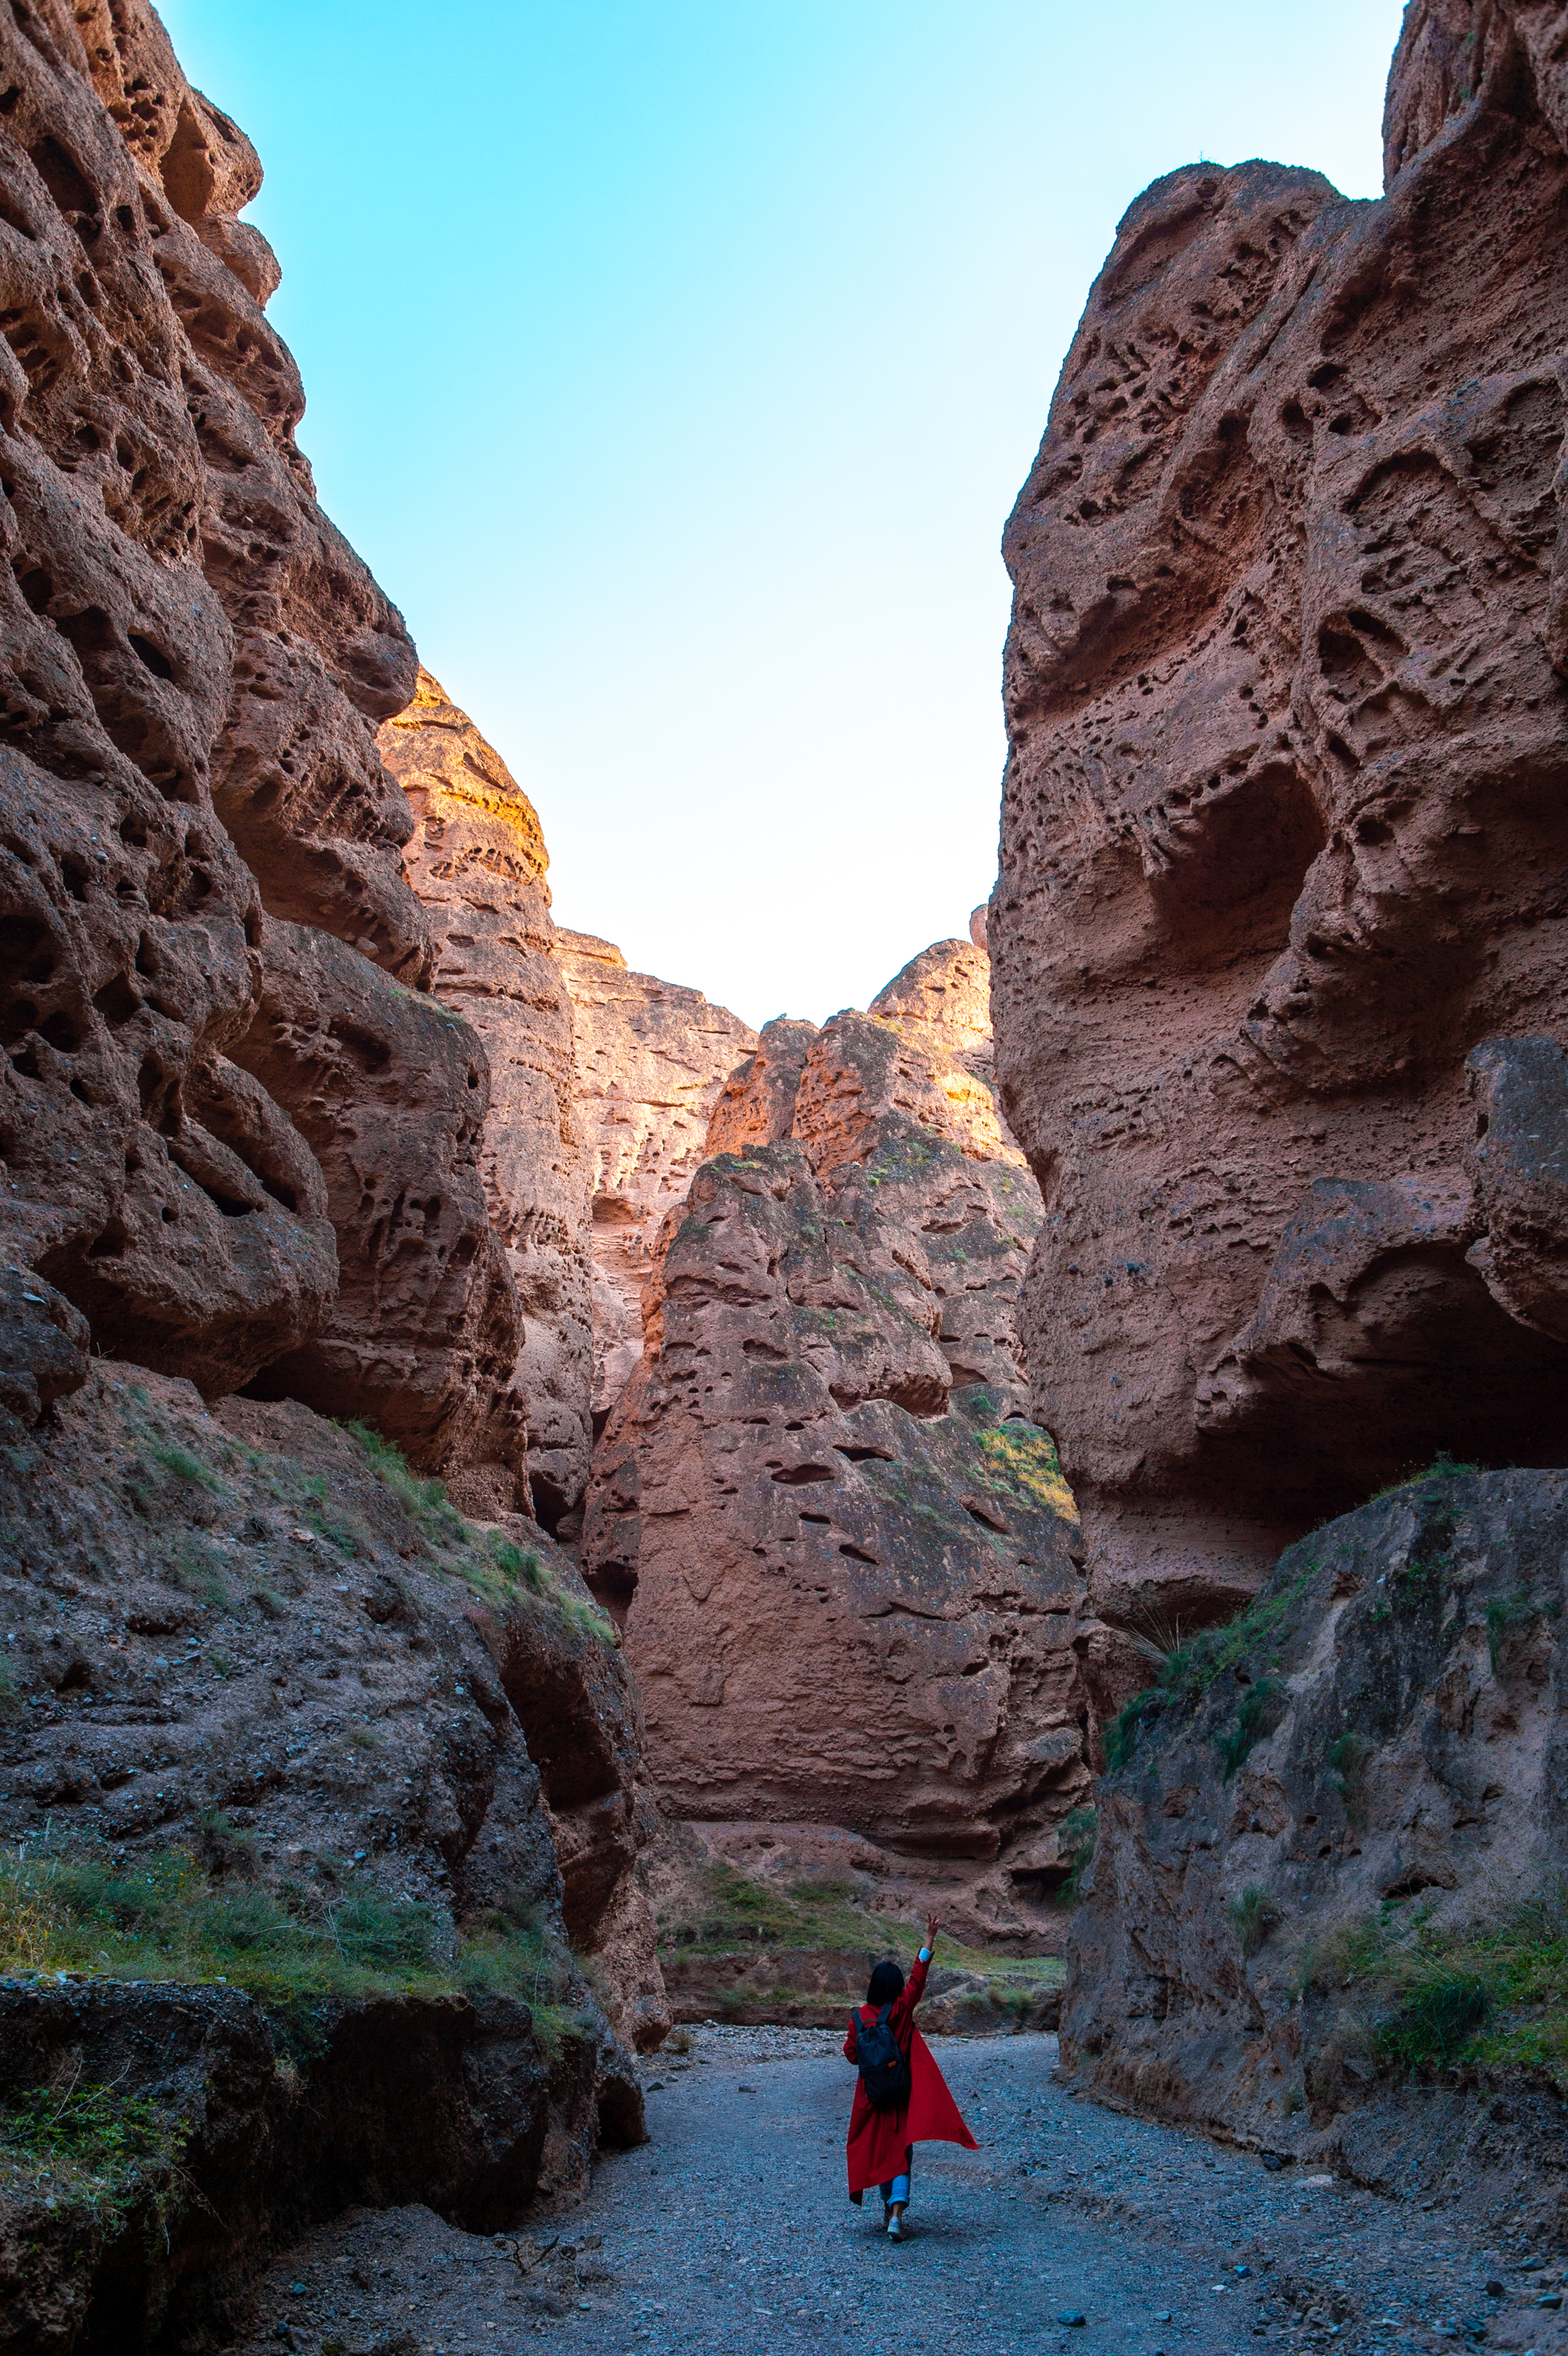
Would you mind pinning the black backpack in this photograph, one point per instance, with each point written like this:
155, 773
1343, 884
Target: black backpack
884, 2065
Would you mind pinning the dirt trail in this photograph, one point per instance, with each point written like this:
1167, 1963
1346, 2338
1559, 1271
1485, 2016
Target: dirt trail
731, 2230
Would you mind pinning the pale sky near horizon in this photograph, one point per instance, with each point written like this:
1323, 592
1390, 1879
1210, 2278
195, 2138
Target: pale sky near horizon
675, 368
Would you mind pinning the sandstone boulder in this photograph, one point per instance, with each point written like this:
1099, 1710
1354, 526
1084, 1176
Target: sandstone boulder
1282, 842
478, 861
652, 1058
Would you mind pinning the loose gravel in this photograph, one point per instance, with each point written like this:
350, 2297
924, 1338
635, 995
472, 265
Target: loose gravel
1072, 2230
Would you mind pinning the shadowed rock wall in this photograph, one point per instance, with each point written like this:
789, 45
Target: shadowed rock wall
1280, 922
1384, 1737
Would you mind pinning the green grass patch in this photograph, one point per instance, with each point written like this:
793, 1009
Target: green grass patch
733, 1914
1442, 1468
1252, 1917
1481, 1996
92, 2147
166, 1919
1020, 1457
1188, 1672
1075, 1837
1258, 1715
184, 1466
502, 1574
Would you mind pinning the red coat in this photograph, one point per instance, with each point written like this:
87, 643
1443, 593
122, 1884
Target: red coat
880, 2140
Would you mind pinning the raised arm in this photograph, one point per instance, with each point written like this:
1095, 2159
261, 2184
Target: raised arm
914, 1987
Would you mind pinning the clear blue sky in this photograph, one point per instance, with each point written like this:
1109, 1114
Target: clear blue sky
675, 364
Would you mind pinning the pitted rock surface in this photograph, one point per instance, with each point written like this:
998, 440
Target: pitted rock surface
391, 1089
1281, 840
193, 666
652, 1058
478, 861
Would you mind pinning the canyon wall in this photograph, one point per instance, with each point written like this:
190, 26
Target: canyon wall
254, 1173
477, 861
846, 1563
236, 1136
651, 1059
1281, 964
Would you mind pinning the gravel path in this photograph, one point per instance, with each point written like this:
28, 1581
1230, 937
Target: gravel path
731, 2232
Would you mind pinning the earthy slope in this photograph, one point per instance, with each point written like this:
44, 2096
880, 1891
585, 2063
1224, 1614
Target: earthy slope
1330, 1855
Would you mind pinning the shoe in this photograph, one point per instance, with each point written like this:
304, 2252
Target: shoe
887, 2212
895, 2226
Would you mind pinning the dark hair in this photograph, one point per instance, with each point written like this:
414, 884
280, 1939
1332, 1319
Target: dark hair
887, 1985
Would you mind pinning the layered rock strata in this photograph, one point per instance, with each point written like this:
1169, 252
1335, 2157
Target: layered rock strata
1380, 1744
478, 862
651, 1059
846, 1562
1280, 909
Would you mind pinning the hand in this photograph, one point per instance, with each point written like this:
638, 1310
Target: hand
932, 1928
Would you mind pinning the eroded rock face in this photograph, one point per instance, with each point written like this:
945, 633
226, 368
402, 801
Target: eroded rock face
1388, 1725
202, 833
242, 1617
455, 2104
652, 1058
922, 1053
391, 1092
846, 1564
1283, 834
478, 861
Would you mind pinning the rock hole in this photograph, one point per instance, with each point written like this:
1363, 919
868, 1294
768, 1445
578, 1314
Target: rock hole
117, 1002
62, 177
157, 662
371, 1054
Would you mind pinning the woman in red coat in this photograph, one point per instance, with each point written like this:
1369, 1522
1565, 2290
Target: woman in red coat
882, 2143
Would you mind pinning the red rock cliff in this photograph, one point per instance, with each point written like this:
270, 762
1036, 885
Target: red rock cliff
844, 1559
235, 1137
1281, 965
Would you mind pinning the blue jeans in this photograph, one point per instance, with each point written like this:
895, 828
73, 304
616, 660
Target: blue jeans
896, 2189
